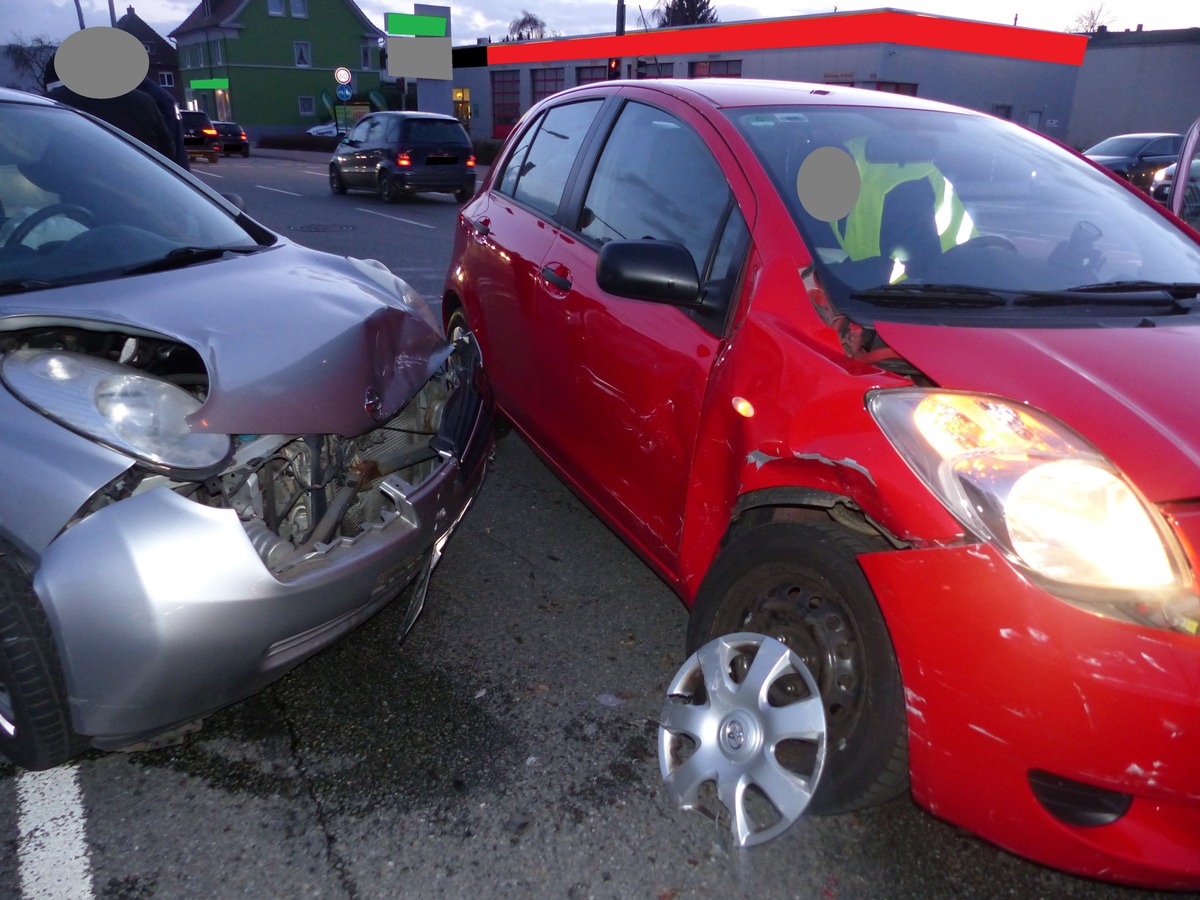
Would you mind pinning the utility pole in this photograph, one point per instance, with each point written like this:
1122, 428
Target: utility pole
620, 17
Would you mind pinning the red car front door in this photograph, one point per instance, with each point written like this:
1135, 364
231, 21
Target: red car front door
623, 381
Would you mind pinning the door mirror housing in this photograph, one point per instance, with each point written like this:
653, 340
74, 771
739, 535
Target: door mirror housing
660, 271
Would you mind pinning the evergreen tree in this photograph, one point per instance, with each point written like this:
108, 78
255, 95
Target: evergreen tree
684, 12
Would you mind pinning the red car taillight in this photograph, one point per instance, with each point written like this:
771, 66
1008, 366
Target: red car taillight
402, 159
210, 131
470, 162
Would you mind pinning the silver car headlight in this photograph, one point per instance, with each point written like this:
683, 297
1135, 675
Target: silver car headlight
115, 405
1025, 482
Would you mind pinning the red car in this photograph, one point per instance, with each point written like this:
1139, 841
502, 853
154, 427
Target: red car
906, 386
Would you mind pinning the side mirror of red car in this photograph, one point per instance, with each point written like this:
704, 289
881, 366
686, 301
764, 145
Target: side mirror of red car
661, 271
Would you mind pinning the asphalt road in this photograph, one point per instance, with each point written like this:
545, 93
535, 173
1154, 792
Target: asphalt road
506, 749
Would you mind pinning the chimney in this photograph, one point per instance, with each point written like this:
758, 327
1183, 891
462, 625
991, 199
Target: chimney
1139, 28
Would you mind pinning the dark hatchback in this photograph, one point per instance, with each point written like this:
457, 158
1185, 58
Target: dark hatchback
233, 138
199, 135
400, 153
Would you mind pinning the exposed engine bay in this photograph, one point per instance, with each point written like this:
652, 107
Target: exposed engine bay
296, 496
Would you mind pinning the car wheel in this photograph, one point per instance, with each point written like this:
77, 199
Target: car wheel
387, 192
463, 195
335, 181
801, 584
213, 157
246, 150
35, 718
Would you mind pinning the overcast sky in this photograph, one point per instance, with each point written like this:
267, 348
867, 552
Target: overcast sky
56, 19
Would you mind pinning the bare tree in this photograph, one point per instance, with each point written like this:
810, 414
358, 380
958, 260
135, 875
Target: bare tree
683, 12
29, 59
1089, 22
527, 27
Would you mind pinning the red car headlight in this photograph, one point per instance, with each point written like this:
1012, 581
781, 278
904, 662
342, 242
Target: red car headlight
1039, 492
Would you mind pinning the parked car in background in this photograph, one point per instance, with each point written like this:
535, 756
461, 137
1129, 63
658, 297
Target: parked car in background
200, 135
875, 376
199, 492
401, 153
325, 129
1136, 157
233, 138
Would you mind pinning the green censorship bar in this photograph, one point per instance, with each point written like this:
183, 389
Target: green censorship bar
420, 26
212, 84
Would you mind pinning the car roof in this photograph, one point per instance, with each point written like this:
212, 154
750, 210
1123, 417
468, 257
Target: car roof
412, 114
1144, 135
11, 95
724, 93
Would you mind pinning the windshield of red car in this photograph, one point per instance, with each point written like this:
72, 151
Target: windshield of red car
939, 208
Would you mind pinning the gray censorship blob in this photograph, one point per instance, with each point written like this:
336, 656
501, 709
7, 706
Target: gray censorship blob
828, 183
101, 62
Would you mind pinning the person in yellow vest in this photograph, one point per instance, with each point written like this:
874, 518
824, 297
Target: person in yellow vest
907, 210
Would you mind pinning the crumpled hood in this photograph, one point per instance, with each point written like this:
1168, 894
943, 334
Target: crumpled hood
295, 341
1132, 392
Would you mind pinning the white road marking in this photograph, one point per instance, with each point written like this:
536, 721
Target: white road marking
52, 848
206, 174
321, 173
397, 218
278, 190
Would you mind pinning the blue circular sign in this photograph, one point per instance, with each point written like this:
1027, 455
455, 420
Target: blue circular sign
344, 92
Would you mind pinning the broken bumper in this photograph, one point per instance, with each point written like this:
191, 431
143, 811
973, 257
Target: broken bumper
164, 611
1063, 736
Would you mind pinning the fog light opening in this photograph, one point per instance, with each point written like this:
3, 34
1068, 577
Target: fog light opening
1076, 803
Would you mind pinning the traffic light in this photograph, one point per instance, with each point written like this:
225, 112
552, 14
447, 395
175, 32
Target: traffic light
641, 68
614, 67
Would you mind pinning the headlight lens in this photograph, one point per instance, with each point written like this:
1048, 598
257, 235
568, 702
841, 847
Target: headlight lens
115, 405
1045, 497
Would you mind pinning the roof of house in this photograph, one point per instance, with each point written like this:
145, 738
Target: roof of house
218, 13
163, 52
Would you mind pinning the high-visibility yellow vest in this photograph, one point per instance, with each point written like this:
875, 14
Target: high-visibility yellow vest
861, 237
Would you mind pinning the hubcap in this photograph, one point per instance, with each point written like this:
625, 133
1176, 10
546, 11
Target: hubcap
733, 720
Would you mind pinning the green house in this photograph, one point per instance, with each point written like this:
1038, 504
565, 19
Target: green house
270, 64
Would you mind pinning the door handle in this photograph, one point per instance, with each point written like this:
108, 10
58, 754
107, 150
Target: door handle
560, 281
481, 226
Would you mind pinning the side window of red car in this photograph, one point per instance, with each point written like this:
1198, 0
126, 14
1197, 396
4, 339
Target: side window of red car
536, 173
656, 179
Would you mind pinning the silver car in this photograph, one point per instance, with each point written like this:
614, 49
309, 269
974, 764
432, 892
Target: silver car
221, 450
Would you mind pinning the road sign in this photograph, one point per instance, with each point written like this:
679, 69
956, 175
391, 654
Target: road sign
344, 92
341, 75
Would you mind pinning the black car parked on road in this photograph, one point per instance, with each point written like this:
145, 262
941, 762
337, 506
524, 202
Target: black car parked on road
233, 138
398, 153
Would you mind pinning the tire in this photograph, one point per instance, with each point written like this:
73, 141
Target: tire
213, 158
462, 196
246, 151
33, 695
335, 181
387, 191
801, 583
